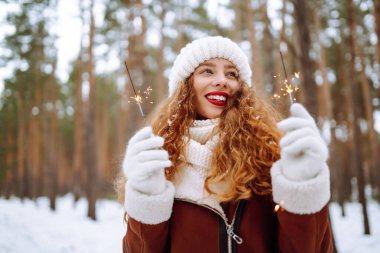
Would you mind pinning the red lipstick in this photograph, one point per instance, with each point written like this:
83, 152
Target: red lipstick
217, 98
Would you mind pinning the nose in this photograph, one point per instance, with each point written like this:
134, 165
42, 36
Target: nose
220, 79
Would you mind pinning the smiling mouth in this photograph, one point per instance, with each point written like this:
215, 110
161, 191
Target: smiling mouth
217, 98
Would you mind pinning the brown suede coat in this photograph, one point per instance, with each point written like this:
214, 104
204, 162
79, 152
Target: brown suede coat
196, 229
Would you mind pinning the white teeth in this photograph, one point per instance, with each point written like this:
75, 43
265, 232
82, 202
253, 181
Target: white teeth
217, 97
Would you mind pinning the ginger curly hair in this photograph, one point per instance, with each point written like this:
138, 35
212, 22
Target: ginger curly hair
248, 144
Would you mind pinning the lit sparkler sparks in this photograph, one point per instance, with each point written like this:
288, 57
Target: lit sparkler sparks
137, 97
279, 207
289, 87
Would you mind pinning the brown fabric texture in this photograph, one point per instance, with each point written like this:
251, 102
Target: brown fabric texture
194, 229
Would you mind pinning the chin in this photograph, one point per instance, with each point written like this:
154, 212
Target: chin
213, 115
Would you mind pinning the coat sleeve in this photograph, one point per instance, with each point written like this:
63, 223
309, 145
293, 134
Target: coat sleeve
305, 233
304, 224
148, 222
144, 238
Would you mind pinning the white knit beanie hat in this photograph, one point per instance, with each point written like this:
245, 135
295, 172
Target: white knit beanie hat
200, 50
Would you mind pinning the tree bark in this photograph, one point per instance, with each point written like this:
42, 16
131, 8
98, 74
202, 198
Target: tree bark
52, 146
376, 13
161, 86
268, 45
35, 142
78, 121
238, 28
368, 111
356, 110
257, 68
9, 177
310, 89
20, 145
92, 170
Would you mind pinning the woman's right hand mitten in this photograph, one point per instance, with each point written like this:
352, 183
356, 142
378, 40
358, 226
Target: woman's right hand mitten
145, 162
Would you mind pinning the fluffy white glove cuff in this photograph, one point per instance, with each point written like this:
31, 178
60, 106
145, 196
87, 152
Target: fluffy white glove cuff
149, 209
305, 197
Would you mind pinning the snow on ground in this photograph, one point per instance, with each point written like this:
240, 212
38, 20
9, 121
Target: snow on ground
348, 231
31, 227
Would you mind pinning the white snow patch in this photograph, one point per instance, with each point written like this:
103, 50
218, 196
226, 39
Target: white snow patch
32, 227
349, 230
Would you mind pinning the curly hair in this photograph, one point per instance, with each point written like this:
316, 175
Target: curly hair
248, 143
172, 120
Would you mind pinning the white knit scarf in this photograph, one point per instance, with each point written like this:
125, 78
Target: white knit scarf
201, 144
189, 180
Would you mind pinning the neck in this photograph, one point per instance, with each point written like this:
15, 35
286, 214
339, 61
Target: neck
200, 117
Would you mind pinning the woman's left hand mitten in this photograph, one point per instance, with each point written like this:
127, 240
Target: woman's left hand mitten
303, 151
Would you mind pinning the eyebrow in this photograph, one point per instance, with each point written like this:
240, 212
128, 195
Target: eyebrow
229, 66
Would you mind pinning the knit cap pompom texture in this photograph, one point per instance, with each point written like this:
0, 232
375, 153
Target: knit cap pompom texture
204, 49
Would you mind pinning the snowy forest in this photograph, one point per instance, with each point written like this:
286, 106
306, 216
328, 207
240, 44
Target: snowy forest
67, 133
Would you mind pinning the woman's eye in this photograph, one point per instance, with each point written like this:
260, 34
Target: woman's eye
233, 74
207, 71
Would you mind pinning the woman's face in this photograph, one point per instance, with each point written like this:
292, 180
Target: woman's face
215, 81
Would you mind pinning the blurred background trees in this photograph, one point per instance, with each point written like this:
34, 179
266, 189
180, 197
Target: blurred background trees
68, 135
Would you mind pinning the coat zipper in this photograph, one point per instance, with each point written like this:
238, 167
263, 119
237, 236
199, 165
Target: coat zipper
229, 227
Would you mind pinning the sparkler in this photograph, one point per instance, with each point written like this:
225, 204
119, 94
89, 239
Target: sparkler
137, 97
279, 207
288, 87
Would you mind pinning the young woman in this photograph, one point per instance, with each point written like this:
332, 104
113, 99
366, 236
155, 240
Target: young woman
206, 176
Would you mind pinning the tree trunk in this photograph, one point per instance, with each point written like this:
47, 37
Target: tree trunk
268, 49
324, 98
310, 89
20, 144
92, 177
257, 68
345, 145
52, 149
78, 122
161, 86
376, 13
368, 111
102, 134
238, 28
35, 142
356, 110
9, 178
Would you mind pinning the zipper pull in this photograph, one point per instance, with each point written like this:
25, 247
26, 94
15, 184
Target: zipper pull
237, 239
230, 232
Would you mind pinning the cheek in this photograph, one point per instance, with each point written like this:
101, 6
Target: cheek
235, 86
199, 87
198, 83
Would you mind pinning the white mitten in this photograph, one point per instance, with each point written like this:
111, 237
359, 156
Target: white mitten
145, 162
303, 151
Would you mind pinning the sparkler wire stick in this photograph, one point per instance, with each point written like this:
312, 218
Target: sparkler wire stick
138, 101
286, 79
